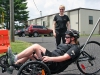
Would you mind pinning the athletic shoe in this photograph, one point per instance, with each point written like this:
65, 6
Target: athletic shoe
10, 70
11, 57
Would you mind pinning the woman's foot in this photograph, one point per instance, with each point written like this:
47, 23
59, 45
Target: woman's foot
11, 57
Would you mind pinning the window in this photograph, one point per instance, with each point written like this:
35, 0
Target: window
40, 27
90, 19
44, 27
43, 23
34, 26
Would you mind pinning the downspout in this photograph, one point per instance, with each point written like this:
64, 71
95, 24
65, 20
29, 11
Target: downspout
99, 28
78, 19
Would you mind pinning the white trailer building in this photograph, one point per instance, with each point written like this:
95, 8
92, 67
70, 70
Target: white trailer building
81, 19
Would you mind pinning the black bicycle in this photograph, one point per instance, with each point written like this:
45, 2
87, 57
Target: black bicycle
87, 62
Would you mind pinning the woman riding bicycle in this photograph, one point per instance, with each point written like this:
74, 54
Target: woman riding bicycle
63, 55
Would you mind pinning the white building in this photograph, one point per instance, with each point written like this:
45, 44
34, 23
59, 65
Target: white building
81, 19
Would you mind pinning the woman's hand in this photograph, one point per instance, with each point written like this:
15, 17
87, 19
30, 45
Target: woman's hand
54, 34
46, 59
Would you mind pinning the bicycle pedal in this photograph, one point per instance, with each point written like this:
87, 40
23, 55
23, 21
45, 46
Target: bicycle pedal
3, 70
17, 66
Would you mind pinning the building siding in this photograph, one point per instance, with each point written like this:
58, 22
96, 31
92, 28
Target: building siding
74, 19
79, 20
86, 28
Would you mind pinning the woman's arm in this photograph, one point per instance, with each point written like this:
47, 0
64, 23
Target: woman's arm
56, 59
54, 25
68, 25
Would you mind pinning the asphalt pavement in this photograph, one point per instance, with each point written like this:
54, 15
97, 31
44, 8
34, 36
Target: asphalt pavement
49, 43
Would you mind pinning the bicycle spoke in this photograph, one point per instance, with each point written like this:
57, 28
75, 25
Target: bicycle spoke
34, 68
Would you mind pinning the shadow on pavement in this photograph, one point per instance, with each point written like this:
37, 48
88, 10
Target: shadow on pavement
67, 74
40, 42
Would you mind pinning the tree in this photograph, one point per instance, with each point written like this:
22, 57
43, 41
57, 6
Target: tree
20, 13
1, 17
1, 9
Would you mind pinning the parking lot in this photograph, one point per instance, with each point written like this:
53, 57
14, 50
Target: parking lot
49, 43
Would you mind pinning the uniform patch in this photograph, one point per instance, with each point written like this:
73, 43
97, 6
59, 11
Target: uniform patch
73, 53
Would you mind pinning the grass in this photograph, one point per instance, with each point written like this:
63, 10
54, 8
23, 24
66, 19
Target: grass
19, 46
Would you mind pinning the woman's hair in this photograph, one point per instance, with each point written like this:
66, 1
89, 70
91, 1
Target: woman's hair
77, 42
62, 6
73, 33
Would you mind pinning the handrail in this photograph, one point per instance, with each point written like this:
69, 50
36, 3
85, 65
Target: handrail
91, 34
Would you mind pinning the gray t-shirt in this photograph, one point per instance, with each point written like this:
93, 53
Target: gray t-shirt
71, 49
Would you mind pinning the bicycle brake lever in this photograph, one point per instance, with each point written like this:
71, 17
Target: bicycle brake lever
42, 54
37, 58
34, 56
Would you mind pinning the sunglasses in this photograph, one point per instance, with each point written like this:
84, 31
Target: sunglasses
67, 37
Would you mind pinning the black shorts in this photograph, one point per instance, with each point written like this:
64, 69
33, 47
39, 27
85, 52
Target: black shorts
48, 53
55, 65
52, 65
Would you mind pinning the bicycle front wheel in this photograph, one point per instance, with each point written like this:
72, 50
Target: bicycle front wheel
89, 66
34, 68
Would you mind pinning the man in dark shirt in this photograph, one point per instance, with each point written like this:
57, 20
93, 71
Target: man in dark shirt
61, 57
60, 25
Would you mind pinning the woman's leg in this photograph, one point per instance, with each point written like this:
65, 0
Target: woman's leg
29, 51
58, 39
63, 37
22, 60
26, 53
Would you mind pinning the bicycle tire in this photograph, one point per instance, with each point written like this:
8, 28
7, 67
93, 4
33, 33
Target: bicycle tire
31, 65
84, 66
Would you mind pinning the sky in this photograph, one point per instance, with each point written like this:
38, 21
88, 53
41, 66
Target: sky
52, 6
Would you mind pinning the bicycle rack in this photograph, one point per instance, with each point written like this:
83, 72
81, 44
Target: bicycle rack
90, 34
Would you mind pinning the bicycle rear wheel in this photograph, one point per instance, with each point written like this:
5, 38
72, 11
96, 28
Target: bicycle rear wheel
34, 68
88, 66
